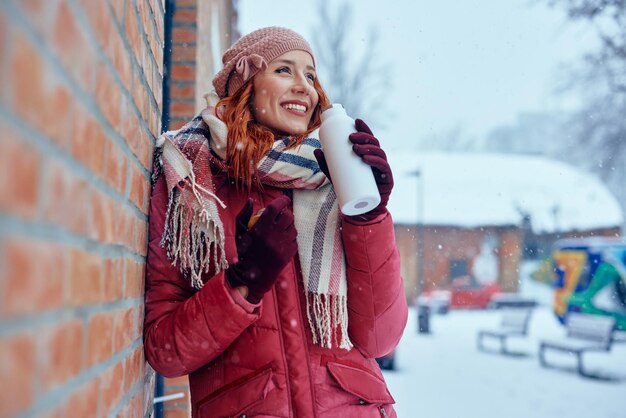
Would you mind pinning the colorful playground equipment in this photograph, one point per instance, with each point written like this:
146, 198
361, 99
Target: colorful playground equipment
590, 277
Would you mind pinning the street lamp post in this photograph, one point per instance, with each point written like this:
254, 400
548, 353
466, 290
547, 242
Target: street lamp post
419, 235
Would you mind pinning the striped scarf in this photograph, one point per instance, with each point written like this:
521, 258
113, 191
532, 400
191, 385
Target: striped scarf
194, 233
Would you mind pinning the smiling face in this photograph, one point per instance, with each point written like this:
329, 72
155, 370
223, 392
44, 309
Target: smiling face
284, 97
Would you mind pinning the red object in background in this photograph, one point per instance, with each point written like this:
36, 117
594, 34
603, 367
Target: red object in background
464, 295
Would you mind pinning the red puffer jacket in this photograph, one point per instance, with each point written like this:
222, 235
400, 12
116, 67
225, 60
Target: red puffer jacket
260, 361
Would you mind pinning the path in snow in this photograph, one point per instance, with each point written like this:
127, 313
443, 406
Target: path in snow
443, 375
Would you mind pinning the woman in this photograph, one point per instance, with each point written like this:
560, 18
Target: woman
282, 314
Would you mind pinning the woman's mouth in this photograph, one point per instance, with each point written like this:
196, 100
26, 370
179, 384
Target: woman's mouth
295, 108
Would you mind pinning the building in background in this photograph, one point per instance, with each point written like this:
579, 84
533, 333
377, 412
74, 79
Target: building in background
85, 89
479, 215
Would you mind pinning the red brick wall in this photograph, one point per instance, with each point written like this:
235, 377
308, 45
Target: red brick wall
182, 96
183, 74
80, 106
442, 244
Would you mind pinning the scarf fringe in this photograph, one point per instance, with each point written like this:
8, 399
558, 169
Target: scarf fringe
328, 320
192, 235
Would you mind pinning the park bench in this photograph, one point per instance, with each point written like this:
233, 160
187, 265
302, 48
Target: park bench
584, 333
514, 323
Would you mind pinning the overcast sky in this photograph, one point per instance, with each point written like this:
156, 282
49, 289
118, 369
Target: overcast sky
473, 64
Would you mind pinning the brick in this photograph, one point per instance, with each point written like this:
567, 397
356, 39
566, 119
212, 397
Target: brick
17, 373
66, 202
134, 365
20, 165
177, 123
103, 210
119, 56
159, 21
141, 238
186, 3
183, 72
177, 381
123, 329
54, 115
84, 401
136, 405
182, 91
88, 141
35, 276
118, 9
113, 279
140, 98
111, 388
36, 12
99, 338
185, 16
159, 60
59, 411
115, 173
153, 121
79, 198
139, 319
72, 47
3, 44
133, 408
179, 412
138, 141
62, 350
99, 19
132, 32
182, 109
138, 188
146, 63
158, 86
153, 43
108, 95
143, 12
134, 279
122, 228
27, 69
84, 278
184, 35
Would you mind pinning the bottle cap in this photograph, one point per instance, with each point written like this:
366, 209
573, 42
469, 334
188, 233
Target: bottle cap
334, 109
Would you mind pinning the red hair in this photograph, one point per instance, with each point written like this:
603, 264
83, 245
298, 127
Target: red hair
248, 141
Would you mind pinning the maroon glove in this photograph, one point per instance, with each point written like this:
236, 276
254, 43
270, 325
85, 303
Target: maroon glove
368, 148
263, 250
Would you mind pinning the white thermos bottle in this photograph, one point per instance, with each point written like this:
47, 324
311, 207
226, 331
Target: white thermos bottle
352, 179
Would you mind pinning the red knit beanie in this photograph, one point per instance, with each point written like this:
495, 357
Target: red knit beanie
251, 54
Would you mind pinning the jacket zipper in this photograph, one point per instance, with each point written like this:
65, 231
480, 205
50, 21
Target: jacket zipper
383, 413
295, 267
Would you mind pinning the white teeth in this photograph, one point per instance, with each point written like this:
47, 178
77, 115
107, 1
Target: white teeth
294, 106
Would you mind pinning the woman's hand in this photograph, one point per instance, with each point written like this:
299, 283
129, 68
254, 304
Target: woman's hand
366, 146
264, 249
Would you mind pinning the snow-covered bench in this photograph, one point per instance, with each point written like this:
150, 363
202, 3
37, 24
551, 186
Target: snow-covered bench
514, 324
584, 333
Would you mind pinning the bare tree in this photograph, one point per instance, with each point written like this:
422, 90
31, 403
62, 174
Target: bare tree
598, 130
359, 83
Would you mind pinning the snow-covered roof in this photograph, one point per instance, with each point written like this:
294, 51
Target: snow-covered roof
473, 189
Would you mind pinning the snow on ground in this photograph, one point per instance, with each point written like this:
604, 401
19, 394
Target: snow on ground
443, 375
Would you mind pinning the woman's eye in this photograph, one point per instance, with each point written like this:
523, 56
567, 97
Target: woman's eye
283, 70
310, 76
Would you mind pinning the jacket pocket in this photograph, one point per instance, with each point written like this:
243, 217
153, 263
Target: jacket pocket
237, 397
362, 383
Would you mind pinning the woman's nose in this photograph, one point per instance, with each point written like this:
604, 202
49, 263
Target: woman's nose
301, 85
